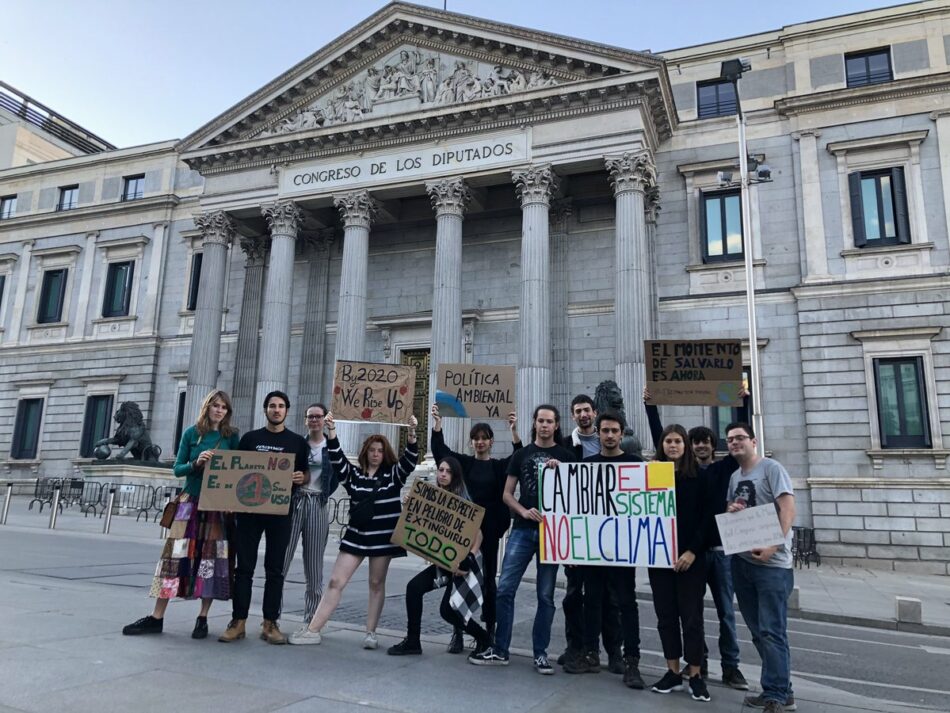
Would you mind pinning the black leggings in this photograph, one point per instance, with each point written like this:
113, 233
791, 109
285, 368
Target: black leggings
678, 602
489, 551
427, 580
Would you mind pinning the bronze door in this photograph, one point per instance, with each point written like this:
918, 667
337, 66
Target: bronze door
418, 358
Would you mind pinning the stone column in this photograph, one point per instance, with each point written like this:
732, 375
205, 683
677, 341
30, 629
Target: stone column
561, 211
652, 216
357, 210
19, 300
155, 280
217, 231
450, 197
273, 361
313, 349
535, 186
632, 175
245, 359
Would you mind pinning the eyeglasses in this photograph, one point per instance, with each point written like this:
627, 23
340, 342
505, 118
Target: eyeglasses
737, 439
314, 418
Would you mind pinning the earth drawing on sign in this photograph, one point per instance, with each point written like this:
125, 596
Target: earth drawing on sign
254, 489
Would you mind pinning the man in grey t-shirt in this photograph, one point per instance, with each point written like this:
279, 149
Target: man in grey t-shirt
763, 578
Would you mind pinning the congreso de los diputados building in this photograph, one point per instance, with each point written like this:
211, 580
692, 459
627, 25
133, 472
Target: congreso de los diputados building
438, 188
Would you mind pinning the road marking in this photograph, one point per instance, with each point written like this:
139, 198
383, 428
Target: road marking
936, 650
915, 647
823, 677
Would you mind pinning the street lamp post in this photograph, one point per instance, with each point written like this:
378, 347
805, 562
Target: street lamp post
731, 71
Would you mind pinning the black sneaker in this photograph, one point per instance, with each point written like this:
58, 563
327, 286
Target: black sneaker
759, 702
631, 673
698, 690
457, 644
489, 657
670, 682
593, 661
732, 677
563, 657
405, 648
575, 662
543, 666
615, 663
146, 625
201, 628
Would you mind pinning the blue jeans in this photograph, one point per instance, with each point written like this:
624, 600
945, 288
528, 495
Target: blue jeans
763, 600
719, 578
522, 548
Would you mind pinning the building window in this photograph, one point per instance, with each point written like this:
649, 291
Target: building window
3, 284
118, 289
902, 402
134, 187
879, 207
52, 296
195, 281
716, 97
869, 67
722, 226
7, 207
26, 428
95, 424
68, 198
179, 420
722, 416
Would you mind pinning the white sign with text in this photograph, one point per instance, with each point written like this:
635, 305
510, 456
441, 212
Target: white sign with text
749, 529
452, 157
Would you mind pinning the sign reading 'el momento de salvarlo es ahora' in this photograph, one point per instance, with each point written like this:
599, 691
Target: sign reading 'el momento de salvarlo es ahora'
438, 526
247, 481
611, 514
694, 372
475, 390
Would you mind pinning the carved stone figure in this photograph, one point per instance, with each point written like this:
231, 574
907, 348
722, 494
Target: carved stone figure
428, 81
609, 397
371, 88
404, 73
131, 434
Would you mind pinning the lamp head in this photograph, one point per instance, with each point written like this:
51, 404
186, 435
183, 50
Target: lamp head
732, 69
724, 177
764, 173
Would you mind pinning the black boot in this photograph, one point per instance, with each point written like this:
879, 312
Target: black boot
201, 628
406, 647
457, 644
631, 673
146, 625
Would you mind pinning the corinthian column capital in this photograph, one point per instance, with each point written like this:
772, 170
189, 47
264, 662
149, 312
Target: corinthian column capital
450, 196
255, 249
357, 208
216, 228
631, 172
283, 218
535, 184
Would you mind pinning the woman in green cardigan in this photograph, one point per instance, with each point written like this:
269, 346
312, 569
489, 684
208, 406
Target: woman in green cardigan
196, 562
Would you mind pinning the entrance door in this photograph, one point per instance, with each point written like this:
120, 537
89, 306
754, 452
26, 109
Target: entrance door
418, 358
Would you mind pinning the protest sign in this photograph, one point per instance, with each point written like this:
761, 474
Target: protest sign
438, 526
694, 372
381, 393
475, 391
611, 514
247, 481
750, 529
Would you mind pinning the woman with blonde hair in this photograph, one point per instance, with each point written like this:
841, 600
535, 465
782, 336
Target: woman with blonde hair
375, 488
196, 562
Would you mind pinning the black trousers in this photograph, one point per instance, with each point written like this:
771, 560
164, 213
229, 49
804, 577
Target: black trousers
604, 584
678, 602
249, 528
489, 550
427, 580
574, 606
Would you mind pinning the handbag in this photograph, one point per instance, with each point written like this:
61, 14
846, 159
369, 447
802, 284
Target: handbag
168, 513
363, 510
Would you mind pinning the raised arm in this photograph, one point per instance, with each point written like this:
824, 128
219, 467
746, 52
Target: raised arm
437, 442
653, 418
410, 456
341, 464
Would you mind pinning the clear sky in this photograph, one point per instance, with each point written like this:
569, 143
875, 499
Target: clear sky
138, 71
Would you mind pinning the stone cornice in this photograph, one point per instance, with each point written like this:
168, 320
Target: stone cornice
455, 120
165, 202
906, 138
873, 94
872, 286
400, 22
897, 333
450, 196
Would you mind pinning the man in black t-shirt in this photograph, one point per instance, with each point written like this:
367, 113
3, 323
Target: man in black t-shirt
523, 543
250, 527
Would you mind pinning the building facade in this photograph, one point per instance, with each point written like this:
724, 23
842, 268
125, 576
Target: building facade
434, 188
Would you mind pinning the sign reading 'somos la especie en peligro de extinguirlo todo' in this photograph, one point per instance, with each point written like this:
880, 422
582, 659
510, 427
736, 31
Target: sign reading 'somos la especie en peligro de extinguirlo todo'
450, 157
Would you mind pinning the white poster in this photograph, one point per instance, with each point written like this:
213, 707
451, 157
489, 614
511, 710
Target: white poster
750, 529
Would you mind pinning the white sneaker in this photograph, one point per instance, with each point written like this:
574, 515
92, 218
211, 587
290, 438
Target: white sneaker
370, 641
303, 636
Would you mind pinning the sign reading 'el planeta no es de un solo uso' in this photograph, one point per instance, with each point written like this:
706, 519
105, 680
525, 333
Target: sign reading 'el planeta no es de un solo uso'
248, 481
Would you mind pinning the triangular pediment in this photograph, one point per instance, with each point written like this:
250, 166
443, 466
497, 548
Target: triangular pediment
410, 65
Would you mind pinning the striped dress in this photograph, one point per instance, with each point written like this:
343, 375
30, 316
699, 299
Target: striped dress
375, 540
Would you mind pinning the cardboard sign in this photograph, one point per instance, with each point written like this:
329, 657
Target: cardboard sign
438, 526
381, 393
475, 391
750, 529
610, 514
694, 372
247, 481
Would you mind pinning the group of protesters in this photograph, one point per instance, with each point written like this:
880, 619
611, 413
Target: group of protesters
212, 555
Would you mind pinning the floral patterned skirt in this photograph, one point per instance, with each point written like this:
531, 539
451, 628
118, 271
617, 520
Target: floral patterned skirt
197, 560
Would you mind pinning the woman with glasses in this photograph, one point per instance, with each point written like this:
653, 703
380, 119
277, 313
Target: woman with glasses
484, 478
309, 510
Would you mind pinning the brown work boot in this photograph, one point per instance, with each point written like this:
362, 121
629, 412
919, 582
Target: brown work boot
271, 633
234, 631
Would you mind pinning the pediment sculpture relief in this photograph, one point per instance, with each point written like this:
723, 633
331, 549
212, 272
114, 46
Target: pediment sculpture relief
409, 80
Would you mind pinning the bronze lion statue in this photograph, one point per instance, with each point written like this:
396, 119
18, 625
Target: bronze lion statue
609, 397
131, 435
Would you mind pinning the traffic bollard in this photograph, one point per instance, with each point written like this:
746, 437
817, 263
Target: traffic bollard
54, 508
109, 503
6, 504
